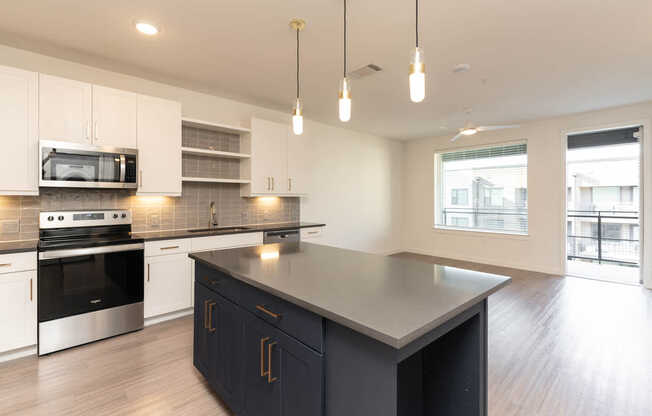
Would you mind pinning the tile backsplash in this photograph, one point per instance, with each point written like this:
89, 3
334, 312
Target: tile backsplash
19, 215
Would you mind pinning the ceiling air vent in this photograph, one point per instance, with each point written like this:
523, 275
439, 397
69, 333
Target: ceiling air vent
364, 71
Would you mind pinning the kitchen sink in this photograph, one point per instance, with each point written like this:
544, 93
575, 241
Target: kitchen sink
205, 230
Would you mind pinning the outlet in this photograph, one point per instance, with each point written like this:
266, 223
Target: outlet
154, 220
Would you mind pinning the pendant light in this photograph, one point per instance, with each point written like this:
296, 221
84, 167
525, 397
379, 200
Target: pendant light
345, 85
417, 68
297, 112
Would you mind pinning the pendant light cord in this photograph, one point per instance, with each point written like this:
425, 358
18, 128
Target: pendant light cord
417, 25
344, 38
298, 64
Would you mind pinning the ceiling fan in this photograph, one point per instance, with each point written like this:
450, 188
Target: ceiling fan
470, 129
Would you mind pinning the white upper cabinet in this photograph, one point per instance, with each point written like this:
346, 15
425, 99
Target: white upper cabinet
277, 165
268, 156
64, 110
159, 146
115, 115
297, 170
18, 131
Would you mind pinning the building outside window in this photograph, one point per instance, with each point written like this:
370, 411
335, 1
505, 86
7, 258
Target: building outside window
460, 197
482, 189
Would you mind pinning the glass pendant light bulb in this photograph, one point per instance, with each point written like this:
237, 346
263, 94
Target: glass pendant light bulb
297, 118
417, 76
345, 100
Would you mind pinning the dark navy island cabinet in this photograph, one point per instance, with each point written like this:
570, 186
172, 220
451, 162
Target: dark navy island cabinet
256, 368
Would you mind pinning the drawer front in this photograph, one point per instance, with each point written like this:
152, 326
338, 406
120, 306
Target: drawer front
17, 262
219, 282
166, 247
312, 232
217, 242
297, 322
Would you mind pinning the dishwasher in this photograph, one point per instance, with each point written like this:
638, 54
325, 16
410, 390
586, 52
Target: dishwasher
285, 236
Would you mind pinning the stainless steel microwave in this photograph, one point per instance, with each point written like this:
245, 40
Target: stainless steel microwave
77, 165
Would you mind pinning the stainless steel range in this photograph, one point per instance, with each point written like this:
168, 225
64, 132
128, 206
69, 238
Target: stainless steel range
90, 278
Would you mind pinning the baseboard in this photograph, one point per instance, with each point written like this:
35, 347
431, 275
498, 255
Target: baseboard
528, 267
17, 353
168, 316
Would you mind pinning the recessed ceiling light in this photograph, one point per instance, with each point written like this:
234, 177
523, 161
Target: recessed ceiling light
146, 28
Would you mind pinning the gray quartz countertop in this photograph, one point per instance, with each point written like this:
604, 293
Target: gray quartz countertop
170, 235
11, 247
392, 300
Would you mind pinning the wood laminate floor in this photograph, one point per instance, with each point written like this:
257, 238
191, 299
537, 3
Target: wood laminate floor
557, 346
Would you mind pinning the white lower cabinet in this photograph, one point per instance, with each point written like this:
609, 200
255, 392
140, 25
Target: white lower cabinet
17, 305
167, 284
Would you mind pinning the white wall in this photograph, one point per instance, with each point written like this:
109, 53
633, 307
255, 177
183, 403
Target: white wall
355, 183
543, 249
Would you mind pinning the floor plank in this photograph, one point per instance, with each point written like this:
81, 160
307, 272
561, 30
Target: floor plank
557, 346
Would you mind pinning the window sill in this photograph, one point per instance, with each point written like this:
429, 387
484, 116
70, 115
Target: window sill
485, 233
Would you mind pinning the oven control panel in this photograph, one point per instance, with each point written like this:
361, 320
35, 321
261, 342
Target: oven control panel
68, 219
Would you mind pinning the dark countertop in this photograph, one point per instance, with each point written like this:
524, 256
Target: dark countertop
170, 235
392, 300
18, 246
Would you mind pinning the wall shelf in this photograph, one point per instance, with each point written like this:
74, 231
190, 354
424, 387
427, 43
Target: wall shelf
213, 153
208, 125
215, 180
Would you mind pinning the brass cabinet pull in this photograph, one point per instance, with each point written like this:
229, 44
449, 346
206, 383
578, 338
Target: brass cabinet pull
148, 272
289, 184
169, 248
31, 291
272, 183
268, 312
205, 314
210, 316
5, 265
263, 373
313, 232
270, 379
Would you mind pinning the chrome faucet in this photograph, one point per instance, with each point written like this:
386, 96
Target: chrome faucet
213, 221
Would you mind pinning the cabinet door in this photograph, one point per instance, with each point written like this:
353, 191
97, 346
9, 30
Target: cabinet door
297, 171
167, 284
17, 310
18, 132
159, 146
64, 110
115, 115
268, 157
283, 377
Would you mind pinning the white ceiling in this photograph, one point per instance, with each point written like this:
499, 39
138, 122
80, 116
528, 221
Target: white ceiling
530, 58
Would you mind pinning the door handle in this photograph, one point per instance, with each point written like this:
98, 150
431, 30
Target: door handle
268, 312
205, 314
263, 373
270, 379
210, 316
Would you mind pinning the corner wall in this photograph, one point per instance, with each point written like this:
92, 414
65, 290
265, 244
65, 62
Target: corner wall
543, 249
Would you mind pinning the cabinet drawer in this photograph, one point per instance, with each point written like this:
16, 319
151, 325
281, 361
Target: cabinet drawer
219, 282
17, 262
291, 319
166, 247
312, 232
217, 242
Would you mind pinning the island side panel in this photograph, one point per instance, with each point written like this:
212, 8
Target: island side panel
360, 374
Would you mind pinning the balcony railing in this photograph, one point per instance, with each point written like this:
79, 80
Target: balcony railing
500, 219
599, 247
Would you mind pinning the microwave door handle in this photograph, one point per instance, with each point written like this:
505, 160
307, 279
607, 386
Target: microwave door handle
123, 168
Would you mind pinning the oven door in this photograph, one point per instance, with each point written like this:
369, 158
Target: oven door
83, 166
77, 281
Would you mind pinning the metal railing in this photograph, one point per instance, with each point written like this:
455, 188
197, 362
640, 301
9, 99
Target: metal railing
600, 248
502, 219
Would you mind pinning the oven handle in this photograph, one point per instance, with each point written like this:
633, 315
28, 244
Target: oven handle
60, 254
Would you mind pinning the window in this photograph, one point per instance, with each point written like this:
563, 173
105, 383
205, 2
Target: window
460, 197
482, 189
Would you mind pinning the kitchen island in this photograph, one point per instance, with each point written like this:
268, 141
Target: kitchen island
301, 329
